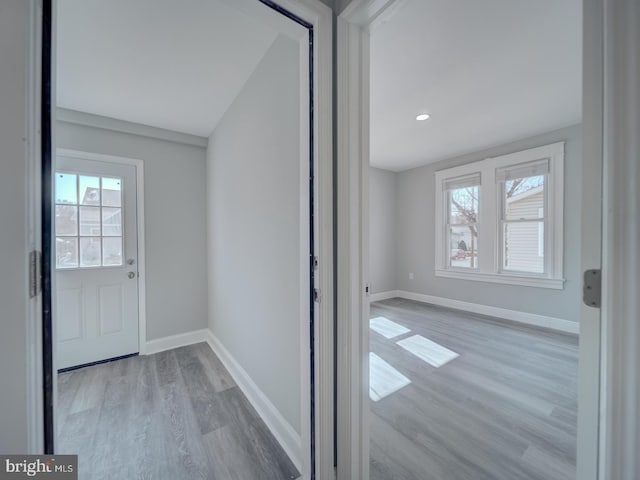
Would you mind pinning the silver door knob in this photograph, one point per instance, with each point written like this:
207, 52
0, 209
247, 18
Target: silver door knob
131, 275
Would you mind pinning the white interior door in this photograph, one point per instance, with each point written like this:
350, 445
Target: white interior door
96, 276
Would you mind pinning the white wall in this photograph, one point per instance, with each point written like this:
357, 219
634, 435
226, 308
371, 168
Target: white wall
254, 227
383, 231
13, 226
175, 220
416, 237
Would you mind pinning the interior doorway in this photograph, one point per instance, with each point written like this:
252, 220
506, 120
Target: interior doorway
303, 33
355, 31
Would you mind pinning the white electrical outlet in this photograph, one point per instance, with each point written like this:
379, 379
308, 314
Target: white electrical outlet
410, 275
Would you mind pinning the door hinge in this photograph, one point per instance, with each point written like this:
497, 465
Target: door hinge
316, 263
35, 273
592, 288
367, 289
317, 295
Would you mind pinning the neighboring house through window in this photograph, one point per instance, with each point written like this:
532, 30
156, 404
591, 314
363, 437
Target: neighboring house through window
501, 220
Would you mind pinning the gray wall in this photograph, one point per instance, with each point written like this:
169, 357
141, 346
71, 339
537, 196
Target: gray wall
416, 210
330, 3
175, 222
341, 5
254, 227
383, 232
13, 218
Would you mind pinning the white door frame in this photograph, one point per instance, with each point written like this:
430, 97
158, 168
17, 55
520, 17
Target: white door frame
591, 253
142, 277
33, 153
321, 18
605, 432
620, 425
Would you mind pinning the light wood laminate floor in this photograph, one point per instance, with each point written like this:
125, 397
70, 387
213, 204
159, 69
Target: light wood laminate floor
505, 409
169, 416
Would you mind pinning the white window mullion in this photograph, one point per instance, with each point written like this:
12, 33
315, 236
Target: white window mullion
542, 235
488, 220
499, 195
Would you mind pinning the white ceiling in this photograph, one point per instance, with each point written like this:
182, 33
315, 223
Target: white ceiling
488, 72
172, 64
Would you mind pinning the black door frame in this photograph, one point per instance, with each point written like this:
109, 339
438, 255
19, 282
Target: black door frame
47, 227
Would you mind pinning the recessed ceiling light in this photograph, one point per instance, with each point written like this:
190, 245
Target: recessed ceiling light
422, 117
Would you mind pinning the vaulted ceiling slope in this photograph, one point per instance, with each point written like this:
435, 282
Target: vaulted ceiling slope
487, 71
170, 64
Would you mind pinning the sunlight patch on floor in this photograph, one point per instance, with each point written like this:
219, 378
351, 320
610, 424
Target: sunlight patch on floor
434, 354
386, 327
383, 378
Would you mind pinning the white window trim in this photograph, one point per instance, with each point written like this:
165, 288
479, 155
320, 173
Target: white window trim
541, 230
489, 268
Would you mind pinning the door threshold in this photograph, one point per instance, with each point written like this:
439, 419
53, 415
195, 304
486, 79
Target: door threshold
106, 360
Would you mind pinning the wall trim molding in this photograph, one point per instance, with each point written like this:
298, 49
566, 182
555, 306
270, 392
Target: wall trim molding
282, 430
107, 123
175, 341
376, 297
552, 323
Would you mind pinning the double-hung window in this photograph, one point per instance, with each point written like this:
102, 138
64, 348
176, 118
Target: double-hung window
500, 219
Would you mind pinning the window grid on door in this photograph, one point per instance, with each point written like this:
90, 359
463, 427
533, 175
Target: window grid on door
88, 221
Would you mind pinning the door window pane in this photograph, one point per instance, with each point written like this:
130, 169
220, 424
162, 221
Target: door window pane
90, 252
111, 192
112, 251
463, 246
66, 188
90, 221
522, 242
66, 252
66, 220
111, 222
89, 190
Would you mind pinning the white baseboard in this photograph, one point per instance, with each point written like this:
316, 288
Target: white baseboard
174, 341
552, 323
376, 297
544, 321
284, 433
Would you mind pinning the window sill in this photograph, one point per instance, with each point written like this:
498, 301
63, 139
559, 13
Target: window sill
504, 279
